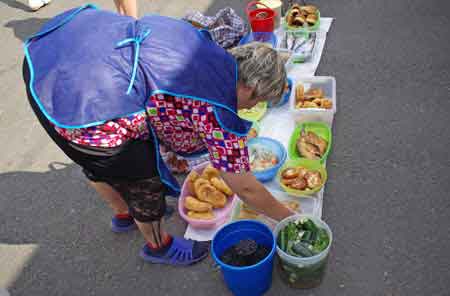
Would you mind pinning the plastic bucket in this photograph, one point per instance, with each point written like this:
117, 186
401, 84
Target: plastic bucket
261, 19
275, 5
252, 280
300, 272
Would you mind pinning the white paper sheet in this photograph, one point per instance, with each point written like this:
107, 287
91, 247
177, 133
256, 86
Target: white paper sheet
279, 125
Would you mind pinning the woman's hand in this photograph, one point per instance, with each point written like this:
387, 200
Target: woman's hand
252, 192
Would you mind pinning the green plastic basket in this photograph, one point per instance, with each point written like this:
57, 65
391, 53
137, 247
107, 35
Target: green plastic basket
255, 113
319, 128
308, 164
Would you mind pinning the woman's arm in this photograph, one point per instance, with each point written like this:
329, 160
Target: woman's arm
253, 193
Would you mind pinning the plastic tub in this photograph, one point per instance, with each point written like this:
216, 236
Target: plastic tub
300, 272
261, 19
221, 215
328, 85
275, 5
277, 148
301, 30
286, 95
308, 164
255, 113
319, 128
252, 280
265, 37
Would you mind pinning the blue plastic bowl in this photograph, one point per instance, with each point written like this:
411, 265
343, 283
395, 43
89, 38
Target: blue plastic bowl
285, 97
265, 37
252, 280
277, 148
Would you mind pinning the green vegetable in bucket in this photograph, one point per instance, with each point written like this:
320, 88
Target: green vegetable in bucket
303, 249
302, 238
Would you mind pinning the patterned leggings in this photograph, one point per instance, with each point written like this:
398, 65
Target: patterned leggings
145, 198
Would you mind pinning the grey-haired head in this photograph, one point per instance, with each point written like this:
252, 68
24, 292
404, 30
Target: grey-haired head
262, 74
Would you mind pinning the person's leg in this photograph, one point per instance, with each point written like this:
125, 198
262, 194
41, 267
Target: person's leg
130, 7
154, 233
119, 7
147, 204
111, 197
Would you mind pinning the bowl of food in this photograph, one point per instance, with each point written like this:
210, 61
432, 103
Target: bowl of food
206, 201
255, 113
266, 157
303, 245
302, 18
302, 177
311, 140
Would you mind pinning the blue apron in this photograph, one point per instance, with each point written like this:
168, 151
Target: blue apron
88, 66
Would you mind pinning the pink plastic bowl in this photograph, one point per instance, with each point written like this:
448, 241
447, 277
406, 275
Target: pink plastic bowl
221, 215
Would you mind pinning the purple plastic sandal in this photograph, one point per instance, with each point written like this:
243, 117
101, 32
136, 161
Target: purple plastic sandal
181, 252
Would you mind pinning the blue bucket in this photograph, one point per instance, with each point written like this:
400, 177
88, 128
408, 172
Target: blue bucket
252, 280
277, 148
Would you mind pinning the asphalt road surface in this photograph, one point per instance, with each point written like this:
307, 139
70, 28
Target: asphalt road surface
387, 198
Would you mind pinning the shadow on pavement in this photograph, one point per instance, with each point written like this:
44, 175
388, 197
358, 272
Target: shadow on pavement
25, 28
16, 4
63, 216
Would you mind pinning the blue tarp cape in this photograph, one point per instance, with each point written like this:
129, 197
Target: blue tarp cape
88, 66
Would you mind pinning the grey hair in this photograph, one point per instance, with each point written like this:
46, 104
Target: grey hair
261, 67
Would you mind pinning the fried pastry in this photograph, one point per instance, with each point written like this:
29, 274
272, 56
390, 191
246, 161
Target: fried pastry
201, 216
326, 104
289, 173
210, 194
193, 204
299, 21
193, 175
308, 150
293, 205
210, 172
199, 182
317, 141
311, 19
314, 93
309, 104
299, 184
221, 185
313, 179
299, 92
309, 9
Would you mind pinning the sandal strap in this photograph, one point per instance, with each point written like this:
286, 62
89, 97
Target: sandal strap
180, 252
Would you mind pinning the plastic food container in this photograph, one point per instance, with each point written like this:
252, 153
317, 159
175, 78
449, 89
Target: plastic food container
319, 128
300, 272
275, 5
265, 37
285, 97
252, 280
221, 215
280, 196
308, 164
328, 85
277, 148
301, 30
255, 113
